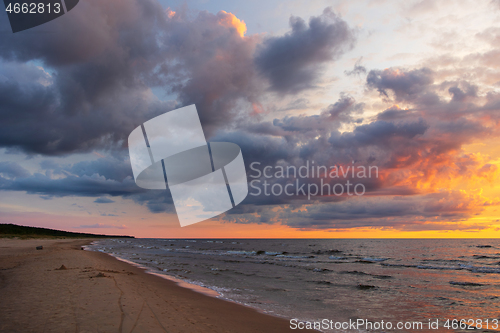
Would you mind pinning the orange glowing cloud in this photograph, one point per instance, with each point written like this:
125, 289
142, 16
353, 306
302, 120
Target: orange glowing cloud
454, 169
257, 108
170, 13
229, 20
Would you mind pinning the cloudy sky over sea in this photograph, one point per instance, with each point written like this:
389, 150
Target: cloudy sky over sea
411, 87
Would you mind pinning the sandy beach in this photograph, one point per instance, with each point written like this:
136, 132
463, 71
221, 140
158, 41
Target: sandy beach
95, 292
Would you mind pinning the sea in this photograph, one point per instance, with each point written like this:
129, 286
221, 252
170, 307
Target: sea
436, 282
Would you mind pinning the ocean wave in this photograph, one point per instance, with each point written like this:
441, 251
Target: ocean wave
338, 258
485, 270
375, 259
472, 284
485, 257
365, 286
326, 252
321, 270
242, 252
366, 274
293, 257
442, 268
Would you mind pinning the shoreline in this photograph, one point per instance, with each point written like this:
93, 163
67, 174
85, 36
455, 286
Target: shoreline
95, 291
207, 291
181, 283
193, 286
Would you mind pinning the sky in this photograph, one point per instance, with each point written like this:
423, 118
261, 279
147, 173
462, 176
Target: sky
411, 88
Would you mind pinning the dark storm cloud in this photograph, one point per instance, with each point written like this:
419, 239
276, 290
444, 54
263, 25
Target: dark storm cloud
345, 109
357, 70
94, 30
115, 166
105, 176
90, 186
293, 128
217, 71
156, 201
461, 94
13, 170
99, 63
109, 175
103, 200
406, 85
94, 87
298, 104
399, 140
257, 147
111, 167
415, 146
394, 212
379, 133
94, 94
87, 186
292, 62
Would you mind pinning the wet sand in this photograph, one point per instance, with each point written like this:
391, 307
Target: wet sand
98, 293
